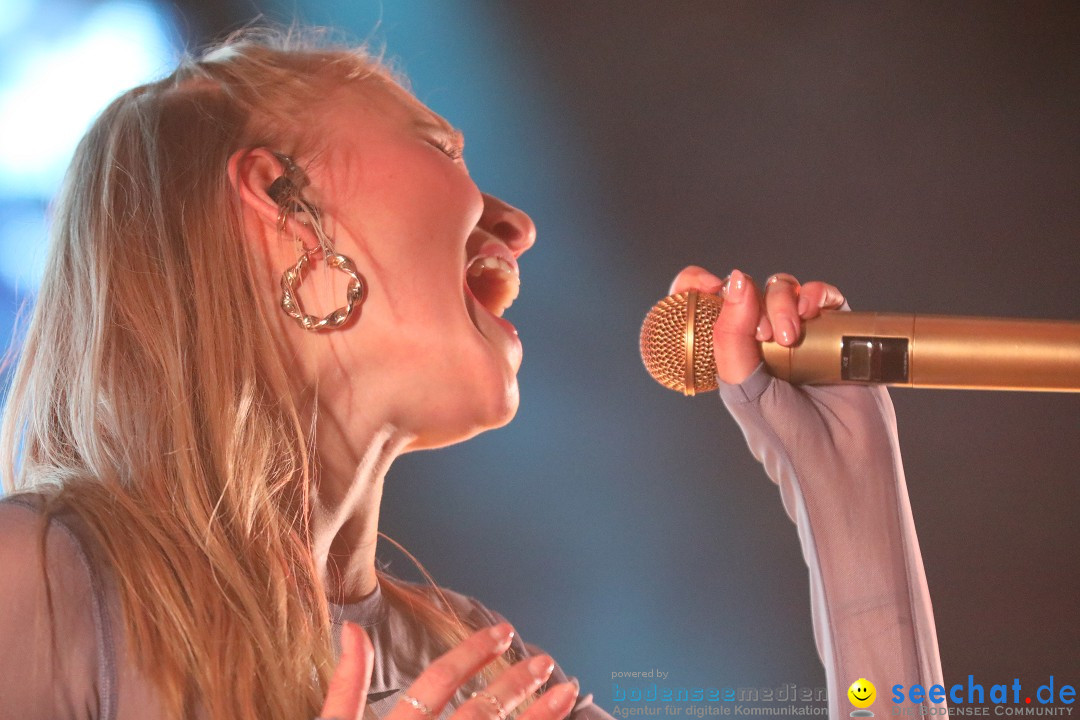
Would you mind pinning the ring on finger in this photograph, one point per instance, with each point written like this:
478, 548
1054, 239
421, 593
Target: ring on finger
492, 700
783, 277
424, 709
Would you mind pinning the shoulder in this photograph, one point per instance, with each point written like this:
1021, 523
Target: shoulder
51, 616
38, 548
471, 611
38, 551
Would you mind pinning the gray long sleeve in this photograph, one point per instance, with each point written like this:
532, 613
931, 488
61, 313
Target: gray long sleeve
834, 453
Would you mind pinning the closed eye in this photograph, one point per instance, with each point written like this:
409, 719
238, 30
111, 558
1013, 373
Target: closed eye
453, 150
450, 141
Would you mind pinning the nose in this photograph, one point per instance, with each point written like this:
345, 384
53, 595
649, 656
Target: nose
506, 222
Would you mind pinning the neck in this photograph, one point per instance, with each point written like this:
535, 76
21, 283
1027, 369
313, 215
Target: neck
345, 515
354, 448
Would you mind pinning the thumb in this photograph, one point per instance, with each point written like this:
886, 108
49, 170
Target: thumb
735, 348
347, 694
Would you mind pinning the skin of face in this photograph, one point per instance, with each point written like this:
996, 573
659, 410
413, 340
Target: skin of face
422, 362
424, 352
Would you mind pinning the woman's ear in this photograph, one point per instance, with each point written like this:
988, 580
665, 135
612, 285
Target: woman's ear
253, 172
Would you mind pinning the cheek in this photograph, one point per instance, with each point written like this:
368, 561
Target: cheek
419, 192
415, 224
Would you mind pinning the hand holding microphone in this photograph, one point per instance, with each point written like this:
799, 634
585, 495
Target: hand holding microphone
749, 318
938, 351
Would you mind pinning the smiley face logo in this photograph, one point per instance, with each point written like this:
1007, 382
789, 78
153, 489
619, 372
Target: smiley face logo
862, 693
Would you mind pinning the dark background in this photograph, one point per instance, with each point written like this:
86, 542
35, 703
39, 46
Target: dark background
924, 157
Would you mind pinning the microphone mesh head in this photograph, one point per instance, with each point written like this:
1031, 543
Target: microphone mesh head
677, 349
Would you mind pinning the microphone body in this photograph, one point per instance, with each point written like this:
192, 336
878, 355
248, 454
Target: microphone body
937, 351
911, 350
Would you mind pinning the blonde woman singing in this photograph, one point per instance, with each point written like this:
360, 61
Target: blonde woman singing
195, 449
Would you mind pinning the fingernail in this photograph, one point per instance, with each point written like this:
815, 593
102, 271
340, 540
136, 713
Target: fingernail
541, 667
563, 696
785, 328
735, 288
503, 635
804, 305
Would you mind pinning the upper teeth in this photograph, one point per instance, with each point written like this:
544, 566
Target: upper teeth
490, 262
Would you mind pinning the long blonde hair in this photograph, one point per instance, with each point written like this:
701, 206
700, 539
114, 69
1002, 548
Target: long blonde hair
149, 398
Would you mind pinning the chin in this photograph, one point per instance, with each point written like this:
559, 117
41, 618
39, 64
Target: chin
452, 428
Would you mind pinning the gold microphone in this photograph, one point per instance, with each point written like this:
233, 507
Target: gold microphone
935, 351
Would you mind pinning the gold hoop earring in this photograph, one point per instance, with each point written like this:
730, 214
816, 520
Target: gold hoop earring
285, 191
292, 277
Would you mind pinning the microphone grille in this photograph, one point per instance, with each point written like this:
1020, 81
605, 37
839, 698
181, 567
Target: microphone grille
677, 342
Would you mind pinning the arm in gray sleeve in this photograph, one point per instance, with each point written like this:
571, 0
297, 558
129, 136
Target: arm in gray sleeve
834, 453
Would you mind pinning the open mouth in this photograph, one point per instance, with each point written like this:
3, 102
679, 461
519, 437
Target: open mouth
492, 278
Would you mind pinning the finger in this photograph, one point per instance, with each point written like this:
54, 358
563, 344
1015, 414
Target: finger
554, 704
764, 332
508, 690
352, 676
736, 351
816, 296
693, 277
781, 306
442, 678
